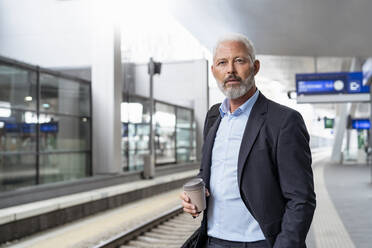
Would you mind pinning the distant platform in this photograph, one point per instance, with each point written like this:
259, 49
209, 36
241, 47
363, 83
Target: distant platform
23, 220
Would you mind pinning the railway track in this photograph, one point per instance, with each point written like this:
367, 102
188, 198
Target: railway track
168, 230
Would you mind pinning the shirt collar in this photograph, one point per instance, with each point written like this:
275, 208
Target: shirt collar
225, 105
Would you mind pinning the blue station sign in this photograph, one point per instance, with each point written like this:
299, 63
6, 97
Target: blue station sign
360, 124
331, 87
330, 83
50, 127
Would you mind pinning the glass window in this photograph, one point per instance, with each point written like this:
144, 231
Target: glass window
184, 118
18, 89
139, 136
194, 137
124, 146
165, 115
186, 154
165, 135
183, 154
64, 96
18, 132
63, 167
165, 156
194, 125
64, 133
136, 159
184, 137
17, 170
193, 154
135, 119
137, 110
63, 124
135, 144
174, 131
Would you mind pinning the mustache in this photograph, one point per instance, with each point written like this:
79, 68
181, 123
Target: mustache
232, 77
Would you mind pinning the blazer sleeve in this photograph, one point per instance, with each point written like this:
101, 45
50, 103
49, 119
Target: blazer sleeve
296, 182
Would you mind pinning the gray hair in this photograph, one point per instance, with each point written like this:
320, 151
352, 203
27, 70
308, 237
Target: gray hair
240, 38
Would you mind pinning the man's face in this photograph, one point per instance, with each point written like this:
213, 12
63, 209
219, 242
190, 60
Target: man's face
234, 69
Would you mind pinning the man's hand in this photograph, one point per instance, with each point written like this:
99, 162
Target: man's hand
188, 207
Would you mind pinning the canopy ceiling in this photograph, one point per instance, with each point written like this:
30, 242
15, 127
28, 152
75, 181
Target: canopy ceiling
286, 27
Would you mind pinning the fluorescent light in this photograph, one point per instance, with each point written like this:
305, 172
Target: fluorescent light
28, 98
46, 105
5, 109
5, 112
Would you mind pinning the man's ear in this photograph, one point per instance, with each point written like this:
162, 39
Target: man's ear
212, 69
256, 66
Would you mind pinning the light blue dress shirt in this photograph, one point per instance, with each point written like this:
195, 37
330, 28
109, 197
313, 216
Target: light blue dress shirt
228, 217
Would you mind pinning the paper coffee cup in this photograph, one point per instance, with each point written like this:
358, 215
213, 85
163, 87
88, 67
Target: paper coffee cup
195, 190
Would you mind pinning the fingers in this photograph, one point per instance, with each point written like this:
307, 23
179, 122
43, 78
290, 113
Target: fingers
193, 212
187, 206
207, 192
184, 197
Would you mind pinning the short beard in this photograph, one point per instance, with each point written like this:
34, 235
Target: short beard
235, 92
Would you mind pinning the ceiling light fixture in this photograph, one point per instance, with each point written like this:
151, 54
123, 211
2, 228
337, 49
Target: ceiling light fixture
46, 105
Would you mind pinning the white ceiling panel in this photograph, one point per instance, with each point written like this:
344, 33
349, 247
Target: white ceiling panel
287, 27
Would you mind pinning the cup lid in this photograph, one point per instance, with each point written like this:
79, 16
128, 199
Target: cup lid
193, 184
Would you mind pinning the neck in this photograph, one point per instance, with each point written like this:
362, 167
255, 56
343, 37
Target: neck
236, 103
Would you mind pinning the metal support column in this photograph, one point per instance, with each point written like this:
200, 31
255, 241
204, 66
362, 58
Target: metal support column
149, 161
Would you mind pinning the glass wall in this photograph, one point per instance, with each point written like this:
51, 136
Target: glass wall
174, 131
165, 133
186, 142
45, 126
135, 117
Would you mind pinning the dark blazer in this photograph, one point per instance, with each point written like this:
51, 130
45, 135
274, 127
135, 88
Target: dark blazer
274, 172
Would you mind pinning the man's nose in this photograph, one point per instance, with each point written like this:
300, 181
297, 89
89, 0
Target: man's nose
231, 68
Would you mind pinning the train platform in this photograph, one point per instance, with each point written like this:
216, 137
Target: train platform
343, 216
24, 220
342, 219
92, 230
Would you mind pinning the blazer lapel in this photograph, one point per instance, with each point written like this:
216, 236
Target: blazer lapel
256, 119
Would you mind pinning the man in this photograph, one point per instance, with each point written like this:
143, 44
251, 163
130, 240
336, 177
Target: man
256, 162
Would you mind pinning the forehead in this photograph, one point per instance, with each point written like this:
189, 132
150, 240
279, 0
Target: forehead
231, 49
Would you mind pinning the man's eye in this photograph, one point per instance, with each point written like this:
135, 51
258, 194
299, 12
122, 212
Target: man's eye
240, 60
221, 63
